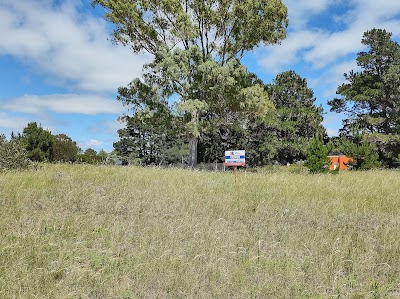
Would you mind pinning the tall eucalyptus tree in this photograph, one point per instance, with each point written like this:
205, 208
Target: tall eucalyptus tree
196, 46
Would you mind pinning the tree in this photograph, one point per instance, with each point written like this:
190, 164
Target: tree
317, 155
371, 98
102, 155
363, 153
267, 135
88, 156
196, 46
296, 119
64, 149
39, 142
90, 152
388, 147
230, 121
152, 138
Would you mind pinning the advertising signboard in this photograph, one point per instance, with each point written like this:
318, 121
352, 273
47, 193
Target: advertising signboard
235, 158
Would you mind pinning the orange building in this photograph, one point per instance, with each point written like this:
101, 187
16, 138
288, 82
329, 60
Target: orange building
339, 160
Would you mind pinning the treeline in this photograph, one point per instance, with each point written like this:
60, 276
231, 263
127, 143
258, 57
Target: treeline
196, 100
371, 99
36, 144
284, 133
275, 123
157, 135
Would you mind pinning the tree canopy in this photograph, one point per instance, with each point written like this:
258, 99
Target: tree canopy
296, 120
196, 48
371, 98
39, 142
64, 149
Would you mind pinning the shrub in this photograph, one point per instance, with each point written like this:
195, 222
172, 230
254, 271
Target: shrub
362, 149
13, 155
364, 156
317, 156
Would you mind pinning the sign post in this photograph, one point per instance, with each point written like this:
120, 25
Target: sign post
235, 158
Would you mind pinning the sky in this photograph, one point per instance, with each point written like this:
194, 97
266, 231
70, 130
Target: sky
59, 68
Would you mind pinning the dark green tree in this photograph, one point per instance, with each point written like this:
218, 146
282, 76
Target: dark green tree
371, 98
221, 137
196, 46
102, 155
89, 156
64, 149
279, 134
317, 155
152, 138
39, 143
359, 147
296, 120
90, 152
230, 122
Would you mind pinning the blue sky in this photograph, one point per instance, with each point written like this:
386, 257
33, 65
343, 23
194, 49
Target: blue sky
59, 68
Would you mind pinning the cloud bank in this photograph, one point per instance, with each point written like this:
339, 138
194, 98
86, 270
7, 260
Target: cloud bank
64, 103
66, 44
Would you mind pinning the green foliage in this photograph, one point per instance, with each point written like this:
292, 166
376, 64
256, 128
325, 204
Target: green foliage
274, 135
42, 146
359, 147
90, 156
13, 155
103, 157
388, 147
371, 98
152, 138
224, 28
90, 152
317, 156
219, 137
64, 149
296, 119
201, 74
364, 155
39, 142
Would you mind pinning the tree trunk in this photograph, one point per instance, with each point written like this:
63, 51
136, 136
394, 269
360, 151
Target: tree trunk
193, 152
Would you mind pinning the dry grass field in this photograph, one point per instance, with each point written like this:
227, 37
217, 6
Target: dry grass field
78, 231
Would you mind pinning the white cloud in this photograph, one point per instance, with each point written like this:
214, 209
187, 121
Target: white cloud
334, 76
277, 57
373, 13
333, 46
10, 123
108, 126
91, 142
332, 132
66, 45
64, 103
299, 10
321, 48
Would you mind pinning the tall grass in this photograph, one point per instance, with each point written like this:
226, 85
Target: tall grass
82, 231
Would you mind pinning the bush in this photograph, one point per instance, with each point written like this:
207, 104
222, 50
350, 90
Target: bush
364, 156
388, 148
362, 149
13, 155
317, 156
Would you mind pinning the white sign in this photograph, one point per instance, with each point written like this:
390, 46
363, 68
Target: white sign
235, 158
